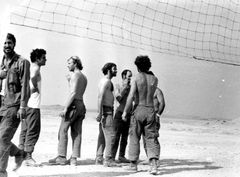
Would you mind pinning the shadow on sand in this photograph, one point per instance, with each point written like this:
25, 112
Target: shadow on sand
89, 174
167, 166
170, 166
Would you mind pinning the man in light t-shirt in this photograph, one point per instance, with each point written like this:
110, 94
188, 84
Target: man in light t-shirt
30, 127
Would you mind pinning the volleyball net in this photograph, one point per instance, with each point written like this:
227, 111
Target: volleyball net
199, 29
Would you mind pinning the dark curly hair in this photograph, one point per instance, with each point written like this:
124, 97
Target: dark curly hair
107, 67
143, 63
37, 53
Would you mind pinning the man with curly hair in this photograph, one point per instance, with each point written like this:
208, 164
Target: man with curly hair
106, 137
143, 120
30, 127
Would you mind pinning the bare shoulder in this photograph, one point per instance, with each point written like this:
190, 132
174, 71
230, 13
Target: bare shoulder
158, 91
137, 77
82, 76
109, 83
35, 67
35, 70
155, 79
104, 82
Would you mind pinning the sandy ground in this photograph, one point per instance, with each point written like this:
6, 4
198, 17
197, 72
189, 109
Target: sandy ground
189, 148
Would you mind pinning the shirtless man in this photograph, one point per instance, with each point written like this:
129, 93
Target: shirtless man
30, 127
106, 135
159, 106
72, 115
143, 121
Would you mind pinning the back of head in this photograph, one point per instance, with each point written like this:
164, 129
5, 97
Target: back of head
37, 53
77, 61
143, 63
11, 37
107, 67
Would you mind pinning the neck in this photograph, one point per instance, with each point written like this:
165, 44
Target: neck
36, 64
124, 83
76, 70
108, 76
9, 55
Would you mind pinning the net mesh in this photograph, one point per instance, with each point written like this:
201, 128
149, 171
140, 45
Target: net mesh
199, 29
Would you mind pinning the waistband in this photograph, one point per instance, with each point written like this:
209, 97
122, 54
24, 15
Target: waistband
78, 100
107, 110
146, 106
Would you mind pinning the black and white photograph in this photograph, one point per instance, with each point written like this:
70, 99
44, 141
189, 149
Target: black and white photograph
119, 88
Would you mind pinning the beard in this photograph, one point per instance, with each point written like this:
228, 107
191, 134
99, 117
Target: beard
113, 74
8, 51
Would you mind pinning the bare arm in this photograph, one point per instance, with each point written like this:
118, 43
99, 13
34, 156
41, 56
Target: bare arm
35, 72
102, 91
130, 98
161, 100
71, 97
120, 94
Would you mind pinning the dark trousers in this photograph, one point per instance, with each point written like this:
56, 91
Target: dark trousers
30, 130
121, 129
8, 126
74, 121
1, 104
143, 123
106, 135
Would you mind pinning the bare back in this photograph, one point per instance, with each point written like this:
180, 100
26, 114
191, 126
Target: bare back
146, 85
78, 84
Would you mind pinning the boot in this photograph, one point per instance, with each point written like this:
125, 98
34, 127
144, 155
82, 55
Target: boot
73, 161
59, 160
19, 158
132, 167
123, 159
99, 161
29, 161
153, 166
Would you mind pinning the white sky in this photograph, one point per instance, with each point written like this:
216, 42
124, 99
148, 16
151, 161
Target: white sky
191, 88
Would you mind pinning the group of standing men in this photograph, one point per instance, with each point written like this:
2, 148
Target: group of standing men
140, 105
20, 102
